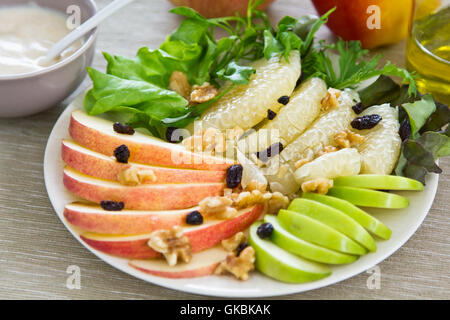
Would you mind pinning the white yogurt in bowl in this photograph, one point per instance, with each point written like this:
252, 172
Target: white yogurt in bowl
26, 34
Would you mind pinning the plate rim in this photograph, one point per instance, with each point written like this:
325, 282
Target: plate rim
160, 281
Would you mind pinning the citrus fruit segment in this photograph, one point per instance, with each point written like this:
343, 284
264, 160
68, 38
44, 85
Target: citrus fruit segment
381, 147
247, 105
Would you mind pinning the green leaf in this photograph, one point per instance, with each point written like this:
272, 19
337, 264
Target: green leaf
418, 113
416, 154
378, 92
110, 93
436, 143
438, 119
271, 45
236, 73
353, 66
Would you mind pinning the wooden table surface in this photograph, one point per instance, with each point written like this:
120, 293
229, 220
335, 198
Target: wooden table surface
36, 249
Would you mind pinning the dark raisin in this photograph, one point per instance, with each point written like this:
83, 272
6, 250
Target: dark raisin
265, 230
271, 114
112, 205
171, 137
271, 151
240, 248
123, 128
300, 79
234, 175
283, 100
122, 153
358, 108
194, 218
366, 122
405, 130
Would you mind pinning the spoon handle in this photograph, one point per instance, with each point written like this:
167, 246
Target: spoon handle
87, 26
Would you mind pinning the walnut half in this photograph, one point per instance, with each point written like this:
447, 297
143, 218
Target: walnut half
319, 185
239, 266
172, 244
331, 99
134, 176
347, 139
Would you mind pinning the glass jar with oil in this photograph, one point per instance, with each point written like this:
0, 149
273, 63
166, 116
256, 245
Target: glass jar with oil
428, 49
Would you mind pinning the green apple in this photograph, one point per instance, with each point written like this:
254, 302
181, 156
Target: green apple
282, 238
372, 224
369, 198
282, 265
375, 181
314, 231
335, 219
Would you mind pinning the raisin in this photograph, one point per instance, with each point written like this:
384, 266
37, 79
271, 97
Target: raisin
170, 137
271, 114
283, 100
265, 230
273, 150
366, 122
405, 130
194, 218
112, 205
241, 247
234, 175
358, 108
122, 153
123, 128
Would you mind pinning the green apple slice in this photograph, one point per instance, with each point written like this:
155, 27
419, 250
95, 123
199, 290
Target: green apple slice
375, 181
282, 265
314, 231
334, 219
369, 222
369, 198
287, 241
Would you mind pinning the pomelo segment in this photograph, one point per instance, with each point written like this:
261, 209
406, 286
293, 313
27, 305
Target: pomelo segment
381, 148
247, 105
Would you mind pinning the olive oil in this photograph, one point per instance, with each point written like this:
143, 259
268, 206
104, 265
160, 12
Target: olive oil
428, 53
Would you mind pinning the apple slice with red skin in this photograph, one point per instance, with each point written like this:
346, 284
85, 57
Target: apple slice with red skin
202, 264
100, 166
201, 237
94, 218
142, 197
98, 135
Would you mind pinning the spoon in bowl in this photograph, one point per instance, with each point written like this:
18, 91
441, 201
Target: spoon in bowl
83, 29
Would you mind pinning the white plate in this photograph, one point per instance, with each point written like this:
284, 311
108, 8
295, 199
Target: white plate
403, 223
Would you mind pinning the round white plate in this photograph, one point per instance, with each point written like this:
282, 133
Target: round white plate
403, 223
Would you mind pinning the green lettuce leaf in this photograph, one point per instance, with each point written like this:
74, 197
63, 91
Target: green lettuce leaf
419, 112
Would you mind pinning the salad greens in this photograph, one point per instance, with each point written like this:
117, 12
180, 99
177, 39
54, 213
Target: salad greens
353, 67
137, 89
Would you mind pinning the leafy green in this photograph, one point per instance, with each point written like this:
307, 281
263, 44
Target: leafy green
438, 119
420, 151
418, 113
111, 92
353, 67
139, 86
